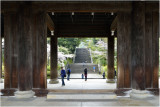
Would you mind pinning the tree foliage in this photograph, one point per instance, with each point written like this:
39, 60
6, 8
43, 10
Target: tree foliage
69, 43
63, 49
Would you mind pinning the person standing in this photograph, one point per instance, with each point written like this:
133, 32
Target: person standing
115, 73
63, 74
94, 68
103, 75
82, 76
68, 73
85, 74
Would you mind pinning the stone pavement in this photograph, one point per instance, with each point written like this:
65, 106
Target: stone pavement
42, 102
93, 83
78, 84
82, 84
90, 76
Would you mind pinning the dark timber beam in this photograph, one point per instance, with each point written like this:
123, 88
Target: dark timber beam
54, 6
88, 34
90, 30
50, 23
114, 24
79, 6
87, 6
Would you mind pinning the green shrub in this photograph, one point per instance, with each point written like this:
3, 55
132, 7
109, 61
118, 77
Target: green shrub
104, 69
68, 60
2, 71
48, 72
48, 68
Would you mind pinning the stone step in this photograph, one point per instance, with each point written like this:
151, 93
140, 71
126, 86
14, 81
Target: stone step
82, 91
80, 96
79, 68
82, 55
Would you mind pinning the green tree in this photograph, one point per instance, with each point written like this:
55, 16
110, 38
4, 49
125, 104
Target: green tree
69, 43
63, 49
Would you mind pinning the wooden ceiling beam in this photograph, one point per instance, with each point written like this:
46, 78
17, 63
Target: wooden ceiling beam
82, 35
81, 6
50, 23
85, 6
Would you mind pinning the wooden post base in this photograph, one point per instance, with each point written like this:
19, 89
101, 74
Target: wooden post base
24, 94
110, 81
54, 81
140, 94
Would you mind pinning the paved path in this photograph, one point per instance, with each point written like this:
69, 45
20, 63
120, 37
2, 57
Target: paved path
78, 84
82, 84
42, 102
93, 76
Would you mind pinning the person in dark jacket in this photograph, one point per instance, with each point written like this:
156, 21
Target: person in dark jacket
85, 74
103, 75
68, 73
63, 74
115, 74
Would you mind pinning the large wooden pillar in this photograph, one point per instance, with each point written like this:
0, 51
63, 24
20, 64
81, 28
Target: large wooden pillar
39, 50
25, 33
155, 50
18, 50
138, 54
123, 49
110, 73
10, 50
138, 46
151, 47
54, 57
24, 42
144, 49
0, 60
148, 47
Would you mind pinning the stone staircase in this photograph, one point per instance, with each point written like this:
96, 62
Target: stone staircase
83, 60
82, 55
79, 68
